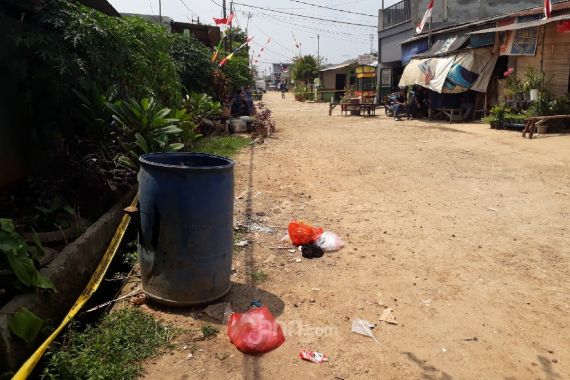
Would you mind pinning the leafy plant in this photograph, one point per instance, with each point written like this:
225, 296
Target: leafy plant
497, 114
20, 256
112, 350
54, 214
201, 106
513, 85
25, 325
545, 106
145, 128
194, 65
208, 330
533, 79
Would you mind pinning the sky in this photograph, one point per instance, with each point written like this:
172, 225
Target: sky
338, 42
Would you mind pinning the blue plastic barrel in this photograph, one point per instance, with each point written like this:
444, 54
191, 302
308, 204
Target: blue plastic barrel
186, 227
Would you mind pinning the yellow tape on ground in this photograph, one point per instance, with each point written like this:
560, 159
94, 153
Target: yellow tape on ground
91, 287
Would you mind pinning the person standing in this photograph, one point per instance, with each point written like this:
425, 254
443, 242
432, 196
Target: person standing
283, 89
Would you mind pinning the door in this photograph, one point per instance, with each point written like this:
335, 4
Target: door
340, 84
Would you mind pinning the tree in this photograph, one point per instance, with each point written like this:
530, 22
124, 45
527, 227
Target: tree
193, 59
305, 69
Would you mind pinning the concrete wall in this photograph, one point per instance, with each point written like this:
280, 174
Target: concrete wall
450, 12
391, 40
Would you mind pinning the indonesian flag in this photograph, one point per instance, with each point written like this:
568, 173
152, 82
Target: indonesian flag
427, 15
224, 21
547, 8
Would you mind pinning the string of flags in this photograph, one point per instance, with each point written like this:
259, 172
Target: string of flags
231, 55
261, 51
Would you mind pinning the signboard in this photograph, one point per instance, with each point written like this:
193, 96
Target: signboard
415, 48
367, 59
519, 42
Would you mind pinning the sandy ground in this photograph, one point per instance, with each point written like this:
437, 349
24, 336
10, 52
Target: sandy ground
462, 230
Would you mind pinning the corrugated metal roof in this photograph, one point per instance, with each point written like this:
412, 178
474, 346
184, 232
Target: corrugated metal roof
523, 25
340, 65
556, 7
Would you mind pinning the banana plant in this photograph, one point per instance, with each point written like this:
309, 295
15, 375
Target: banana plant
145, 128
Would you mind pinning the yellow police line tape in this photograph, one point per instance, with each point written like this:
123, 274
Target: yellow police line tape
91, 287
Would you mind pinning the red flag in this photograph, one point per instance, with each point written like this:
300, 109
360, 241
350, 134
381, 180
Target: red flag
547, 8
230, 19
224, 21
427, 16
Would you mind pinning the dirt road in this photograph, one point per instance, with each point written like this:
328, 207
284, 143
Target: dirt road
462, 230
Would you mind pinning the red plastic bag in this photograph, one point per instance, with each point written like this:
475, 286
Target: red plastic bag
255, 332
301, 233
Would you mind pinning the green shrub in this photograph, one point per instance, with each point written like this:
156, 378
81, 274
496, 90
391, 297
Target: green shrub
193, 60
111, 350
144, 128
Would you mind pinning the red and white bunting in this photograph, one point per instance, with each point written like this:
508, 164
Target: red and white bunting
427, 16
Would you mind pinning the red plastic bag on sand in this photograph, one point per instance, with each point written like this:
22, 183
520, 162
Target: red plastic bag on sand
255, 332
301, 233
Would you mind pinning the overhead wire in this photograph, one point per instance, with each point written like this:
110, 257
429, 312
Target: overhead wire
308, 17
333, 9
358, 37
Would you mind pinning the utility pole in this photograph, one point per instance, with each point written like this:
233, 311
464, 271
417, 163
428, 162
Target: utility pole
224, 9
318, 51
247, 25
230, 25
371, 37
160, 12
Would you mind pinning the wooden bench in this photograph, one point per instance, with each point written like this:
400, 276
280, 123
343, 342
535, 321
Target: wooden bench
450, 113
536, 121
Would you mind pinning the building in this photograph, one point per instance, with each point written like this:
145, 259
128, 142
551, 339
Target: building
397, 24
475, 55
281, 72
335, 79
206, 34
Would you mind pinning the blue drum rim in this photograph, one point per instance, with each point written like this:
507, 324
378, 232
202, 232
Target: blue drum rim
144, 160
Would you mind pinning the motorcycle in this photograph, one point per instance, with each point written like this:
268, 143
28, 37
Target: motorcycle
389, 103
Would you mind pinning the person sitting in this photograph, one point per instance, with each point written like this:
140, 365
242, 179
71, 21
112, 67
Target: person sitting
248, 97
400, 104
240, 107
467, 105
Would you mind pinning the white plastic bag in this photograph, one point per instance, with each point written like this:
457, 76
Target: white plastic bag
329, 241
363, 327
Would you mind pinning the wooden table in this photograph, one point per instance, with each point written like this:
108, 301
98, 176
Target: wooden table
536, 121
448, 112
368, 109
